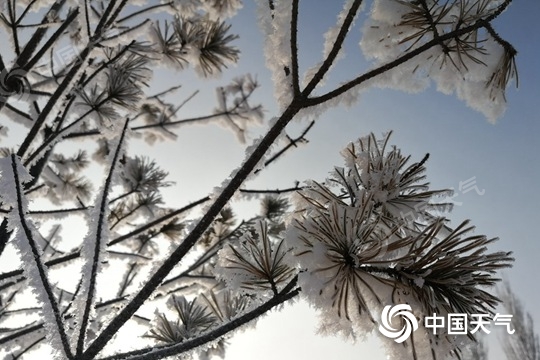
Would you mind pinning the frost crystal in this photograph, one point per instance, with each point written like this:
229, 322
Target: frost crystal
475, 66
257, 262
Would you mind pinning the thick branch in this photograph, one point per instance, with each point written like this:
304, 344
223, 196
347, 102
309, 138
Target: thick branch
36, 255
40, 121
335, 48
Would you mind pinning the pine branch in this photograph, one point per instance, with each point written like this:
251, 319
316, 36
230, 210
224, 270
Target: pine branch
343, 31
51, 103
103, 19
82, 83
13, 25
130, 29
101, 222
128, 279
28, 347
158, 221
21, 333
208, 254
233, 111
106, 19
19, 112
297, 103
482, 23
87, 20
25, 11
300, 100
29, 329
116, 13
39, 265
160, 352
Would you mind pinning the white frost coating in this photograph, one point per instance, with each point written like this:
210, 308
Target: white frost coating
310, 74
186, 8
58, 108
338, 237
390, 12
89, 242
277, 49
58, 189
37, 5
7, 182
213, 9
251, 149
331, 35
8, 193
221, 9
233, 279
347, 99
386, 37
356, 325
329, 40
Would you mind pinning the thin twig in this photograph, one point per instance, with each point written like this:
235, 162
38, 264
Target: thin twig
292, 142
266, 191
142, 11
